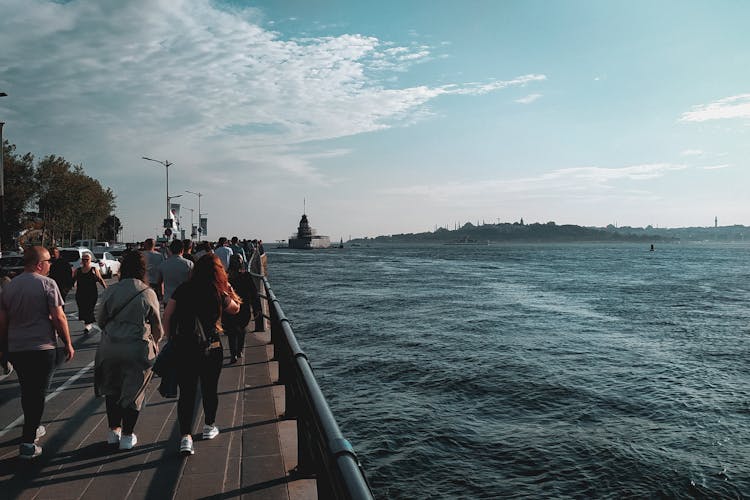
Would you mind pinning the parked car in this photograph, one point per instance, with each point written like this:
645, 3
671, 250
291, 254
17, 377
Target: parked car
108, 264
73, 256
118, 252
11, 266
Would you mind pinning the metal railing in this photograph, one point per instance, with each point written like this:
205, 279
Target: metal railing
323, 452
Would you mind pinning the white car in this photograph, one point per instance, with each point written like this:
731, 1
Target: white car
73, 256
108, 264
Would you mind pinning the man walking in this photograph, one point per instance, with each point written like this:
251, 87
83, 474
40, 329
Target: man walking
31, 316
238, 250
62, 272
223, 252
175, 270
153, 261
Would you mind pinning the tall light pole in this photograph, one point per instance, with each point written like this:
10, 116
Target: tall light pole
200, 229
166, 167
2, 183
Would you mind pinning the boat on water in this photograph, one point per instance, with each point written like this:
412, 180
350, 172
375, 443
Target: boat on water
306, 237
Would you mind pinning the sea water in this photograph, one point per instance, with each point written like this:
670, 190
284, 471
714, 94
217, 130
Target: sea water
531, 371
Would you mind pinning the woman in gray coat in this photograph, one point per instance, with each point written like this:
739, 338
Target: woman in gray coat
128, 315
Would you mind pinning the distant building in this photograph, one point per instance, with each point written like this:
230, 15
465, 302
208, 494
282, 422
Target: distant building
306, 238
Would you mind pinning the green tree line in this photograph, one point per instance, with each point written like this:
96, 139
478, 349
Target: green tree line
52, 201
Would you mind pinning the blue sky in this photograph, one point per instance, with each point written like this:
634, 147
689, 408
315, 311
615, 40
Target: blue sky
390, 116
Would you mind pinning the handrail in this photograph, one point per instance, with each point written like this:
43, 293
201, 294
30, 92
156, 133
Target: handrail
322, 450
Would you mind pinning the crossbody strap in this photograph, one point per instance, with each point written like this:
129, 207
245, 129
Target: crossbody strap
112, 316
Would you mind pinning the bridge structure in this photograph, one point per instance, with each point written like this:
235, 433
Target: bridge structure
278, 437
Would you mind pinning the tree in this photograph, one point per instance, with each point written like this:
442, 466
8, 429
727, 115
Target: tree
20, 190
72, 204
108, 229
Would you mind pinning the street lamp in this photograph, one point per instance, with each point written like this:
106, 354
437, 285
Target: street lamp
2, 183
200, 229
166, 167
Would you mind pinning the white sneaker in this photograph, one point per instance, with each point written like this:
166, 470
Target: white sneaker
113, 436
186, 445
210, 431
40, 431
128, 441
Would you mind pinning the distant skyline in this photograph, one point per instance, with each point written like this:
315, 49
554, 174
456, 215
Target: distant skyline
389, 117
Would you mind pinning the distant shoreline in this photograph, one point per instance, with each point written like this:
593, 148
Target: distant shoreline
505, 233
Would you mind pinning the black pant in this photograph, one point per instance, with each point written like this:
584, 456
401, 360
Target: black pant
117, 416
194, 366
34, 370
236, 339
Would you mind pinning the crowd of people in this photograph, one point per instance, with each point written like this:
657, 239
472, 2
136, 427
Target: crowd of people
182, 295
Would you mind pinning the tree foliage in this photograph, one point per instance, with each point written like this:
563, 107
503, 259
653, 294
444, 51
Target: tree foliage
20, 189
109, 228
70, 204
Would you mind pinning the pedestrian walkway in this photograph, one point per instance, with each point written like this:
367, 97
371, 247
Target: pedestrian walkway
249, 459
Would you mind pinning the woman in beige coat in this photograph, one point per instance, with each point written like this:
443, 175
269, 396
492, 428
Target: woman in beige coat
128, 315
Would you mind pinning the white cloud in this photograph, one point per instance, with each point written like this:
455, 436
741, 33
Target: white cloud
691, 152
717, 167
528, 99
191, 71
211, 89
730, 107
579, 182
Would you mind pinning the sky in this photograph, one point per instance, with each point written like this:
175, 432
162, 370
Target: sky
388, 117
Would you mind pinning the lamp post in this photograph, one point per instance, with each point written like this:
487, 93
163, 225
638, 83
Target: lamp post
200, 229
2, 183
166, 167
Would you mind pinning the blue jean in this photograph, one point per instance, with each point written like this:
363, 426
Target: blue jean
34, 370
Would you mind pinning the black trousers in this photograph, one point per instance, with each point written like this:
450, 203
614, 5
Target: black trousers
192, 368
117, 416
236, 340
34, 370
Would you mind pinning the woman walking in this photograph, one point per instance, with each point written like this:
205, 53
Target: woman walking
86, 278
194, 311
129, 318
235, 326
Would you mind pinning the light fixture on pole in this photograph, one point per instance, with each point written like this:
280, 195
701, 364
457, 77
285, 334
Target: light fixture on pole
200, 229
2, 184
166, 167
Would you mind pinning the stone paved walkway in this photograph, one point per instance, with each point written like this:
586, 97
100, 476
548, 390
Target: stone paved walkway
249, 459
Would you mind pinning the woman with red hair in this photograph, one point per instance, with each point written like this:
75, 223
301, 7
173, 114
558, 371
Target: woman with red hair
199, 303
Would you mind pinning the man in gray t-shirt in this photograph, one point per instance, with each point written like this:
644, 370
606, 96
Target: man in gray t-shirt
174, 271
153, 261
31, 319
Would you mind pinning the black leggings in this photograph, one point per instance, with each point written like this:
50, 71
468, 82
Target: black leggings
191, 368
236, 341
121, 417
34, 370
